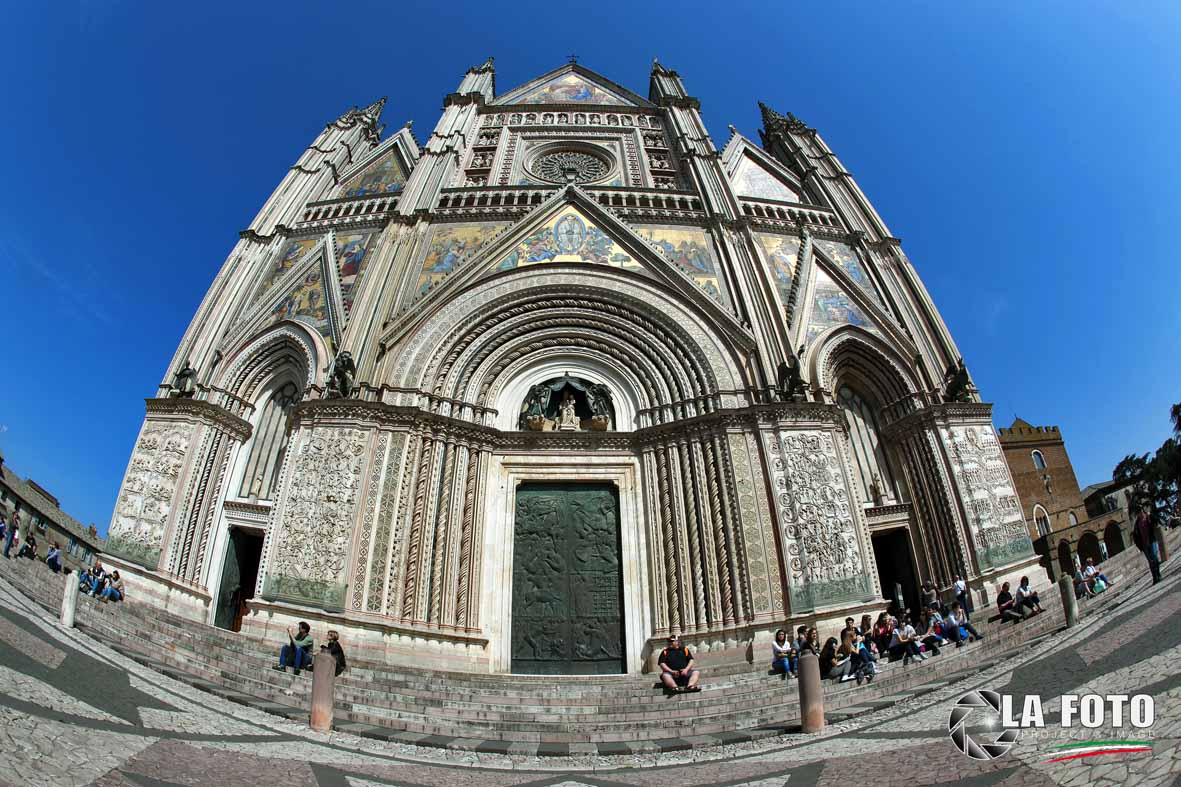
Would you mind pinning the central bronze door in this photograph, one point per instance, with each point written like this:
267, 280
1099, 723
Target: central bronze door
567, 589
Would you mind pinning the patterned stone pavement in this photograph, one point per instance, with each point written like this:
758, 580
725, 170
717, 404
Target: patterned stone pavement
77, 713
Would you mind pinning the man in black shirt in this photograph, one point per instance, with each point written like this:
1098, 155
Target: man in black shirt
677, 672
1007, 606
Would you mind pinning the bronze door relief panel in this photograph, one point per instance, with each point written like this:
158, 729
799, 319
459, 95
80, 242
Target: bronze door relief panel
567, 587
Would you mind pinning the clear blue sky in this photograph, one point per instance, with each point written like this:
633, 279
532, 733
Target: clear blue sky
1024, 152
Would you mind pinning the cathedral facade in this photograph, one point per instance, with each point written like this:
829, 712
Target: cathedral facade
559, 381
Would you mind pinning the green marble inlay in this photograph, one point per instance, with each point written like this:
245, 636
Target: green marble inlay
148, 557
1009, 552
820, 594
297, 590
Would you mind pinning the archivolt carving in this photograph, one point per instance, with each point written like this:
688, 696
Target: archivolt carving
879, 364
255, 363
434, 344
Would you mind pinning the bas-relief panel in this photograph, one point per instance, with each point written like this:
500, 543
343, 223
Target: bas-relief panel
832, 306
449, 246
308, 303
999, 533
692, 252
285, 261
823, 554
145, 501
569, 237
782, 253
352, 253
847, 258
382, 177
570, 89
311, 545
751, 180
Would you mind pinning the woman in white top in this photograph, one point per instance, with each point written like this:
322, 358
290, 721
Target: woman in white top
785, 659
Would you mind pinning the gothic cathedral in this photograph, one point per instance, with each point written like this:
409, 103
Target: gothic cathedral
560, 381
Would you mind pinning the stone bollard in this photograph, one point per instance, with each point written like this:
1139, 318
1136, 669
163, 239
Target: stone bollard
69, 600
323, 690
811, 694
1069, 602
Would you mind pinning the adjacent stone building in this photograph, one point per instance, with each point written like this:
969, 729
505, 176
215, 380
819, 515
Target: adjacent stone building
560, 380
1067, 524
40, 513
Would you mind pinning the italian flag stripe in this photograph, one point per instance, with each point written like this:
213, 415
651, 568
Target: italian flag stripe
1074, 751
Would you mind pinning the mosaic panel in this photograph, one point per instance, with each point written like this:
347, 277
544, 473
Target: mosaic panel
751, 180
570, 89
782, 253
285, 261
352, 252
450, 245
844, 256
381, 177
308, 303
832, 306
690, 250
568, 237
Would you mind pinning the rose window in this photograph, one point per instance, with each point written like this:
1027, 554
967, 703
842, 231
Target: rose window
570, 166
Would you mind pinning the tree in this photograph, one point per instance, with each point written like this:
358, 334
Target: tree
1155, 478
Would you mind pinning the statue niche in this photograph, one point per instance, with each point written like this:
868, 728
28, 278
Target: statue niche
567, 404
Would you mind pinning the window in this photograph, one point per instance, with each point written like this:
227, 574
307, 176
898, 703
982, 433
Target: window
1041, 519
1039, 461
1073, 519
880, 484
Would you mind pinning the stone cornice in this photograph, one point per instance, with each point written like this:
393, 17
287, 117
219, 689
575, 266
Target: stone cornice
776, 414
462, 99
207, 413
936, 414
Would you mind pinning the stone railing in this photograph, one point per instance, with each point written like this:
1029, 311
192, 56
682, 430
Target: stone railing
350, 210
789, 211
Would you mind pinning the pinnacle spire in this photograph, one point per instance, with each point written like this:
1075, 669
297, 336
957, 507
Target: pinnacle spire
374, 109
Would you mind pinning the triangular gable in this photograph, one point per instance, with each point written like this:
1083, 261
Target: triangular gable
782, 256
383, 176
308, 292
752, 180
567, 237
753, 173
573, 84
384, 170
832, 306
844, 256
569, 227
288, 257
449, 246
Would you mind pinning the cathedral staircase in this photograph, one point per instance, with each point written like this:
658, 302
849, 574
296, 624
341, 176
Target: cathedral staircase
534, 715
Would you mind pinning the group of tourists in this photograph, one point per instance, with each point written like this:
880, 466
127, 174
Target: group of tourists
1090, 581
297, 653
101, 584
25, 544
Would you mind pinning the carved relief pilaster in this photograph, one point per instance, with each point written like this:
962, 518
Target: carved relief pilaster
146, 499
825, 557
751, 496
994, 518
386, 524
366, 534
312, 528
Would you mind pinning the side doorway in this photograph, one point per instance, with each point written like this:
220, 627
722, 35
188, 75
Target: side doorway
238, 577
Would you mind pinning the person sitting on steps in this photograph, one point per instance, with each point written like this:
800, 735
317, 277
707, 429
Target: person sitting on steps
1007, 606
677, 672
1093, 572
114, 589
784, 657
957, 627
336, 650
297, 652
903, 644
53, 558
1027, 597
